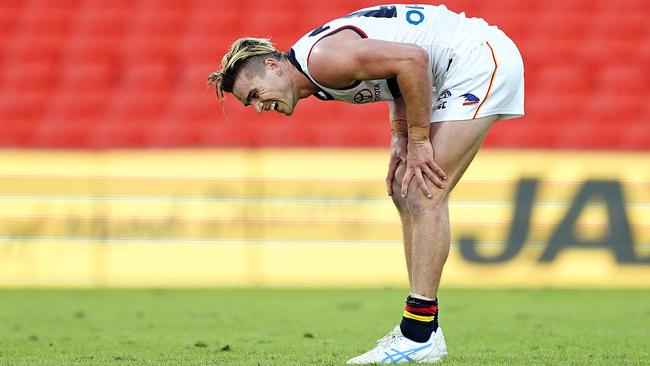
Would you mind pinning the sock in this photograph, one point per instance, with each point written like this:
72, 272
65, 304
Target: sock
420, 319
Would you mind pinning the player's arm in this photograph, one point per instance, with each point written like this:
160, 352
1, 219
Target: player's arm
341, 59
398, 139
397, 109
398, 117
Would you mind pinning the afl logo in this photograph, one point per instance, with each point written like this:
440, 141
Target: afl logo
363, 96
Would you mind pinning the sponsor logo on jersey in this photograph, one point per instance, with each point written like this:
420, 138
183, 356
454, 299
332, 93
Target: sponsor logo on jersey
363, 96
441, 103
445, 94
440, 106
377, 90
470, 99
366, 95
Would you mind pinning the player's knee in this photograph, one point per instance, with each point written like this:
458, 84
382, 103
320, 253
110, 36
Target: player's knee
397, 179
416, 203
399, 202
419, 204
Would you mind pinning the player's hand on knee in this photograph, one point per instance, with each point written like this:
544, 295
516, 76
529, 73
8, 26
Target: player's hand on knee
397, 153
420, 163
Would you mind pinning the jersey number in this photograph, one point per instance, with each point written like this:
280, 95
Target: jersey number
413, 16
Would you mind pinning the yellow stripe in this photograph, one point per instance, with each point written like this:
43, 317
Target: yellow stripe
422, 318
268, 218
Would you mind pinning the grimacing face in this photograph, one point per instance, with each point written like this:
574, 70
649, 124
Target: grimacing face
270, 91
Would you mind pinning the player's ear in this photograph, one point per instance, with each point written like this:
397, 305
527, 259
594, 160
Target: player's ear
273, 65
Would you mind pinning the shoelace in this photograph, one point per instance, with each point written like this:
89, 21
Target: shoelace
389, 338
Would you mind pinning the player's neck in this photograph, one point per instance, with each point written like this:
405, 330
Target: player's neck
303, 87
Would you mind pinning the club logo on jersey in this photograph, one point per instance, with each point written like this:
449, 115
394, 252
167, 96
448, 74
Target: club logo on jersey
470, 99
363, 96
446, 94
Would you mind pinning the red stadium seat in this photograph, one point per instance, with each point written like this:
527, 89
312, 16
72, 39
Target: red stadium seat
522, 133
174, 133
54, 4
98, 22
149, 49
493, 11
197, 51
540, 51
8, 19
62, 133
627, 78
554, 25
635, 135
13, 5
375, 114
148, 76
159, 22
613, 26
214, 20
136, 104
82, 49
544, 107
23, 106
314, 14
641, 50
85, 107
629, 6
110, 5
193, 79
193, 107
18, 132
562, 78
124, 133
23, 77
20, 114
153, 6
29, 49
226, 134
599, 50
81, 78
610, 106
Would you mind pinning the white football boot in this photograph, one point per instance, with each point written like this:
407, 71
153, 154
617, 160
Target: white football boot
395, 348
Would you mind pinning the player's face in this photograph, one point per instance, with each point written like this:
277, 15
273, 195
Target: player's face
268, 92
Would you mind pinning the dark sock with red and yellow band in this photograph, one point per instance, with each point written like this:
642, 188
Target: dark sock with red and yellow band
420, 319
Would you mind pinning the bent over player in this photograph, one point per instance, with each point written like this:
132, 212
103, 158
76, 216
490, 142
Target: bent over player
447, 79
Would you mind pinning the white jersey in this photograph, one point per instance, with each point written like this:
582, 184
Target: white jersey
441, 32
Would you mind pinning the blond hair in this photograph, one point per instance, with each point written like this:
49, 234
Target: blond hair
239, 57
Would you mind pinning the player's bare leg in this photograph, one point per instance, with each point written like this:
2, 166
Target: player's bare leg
425, 226
405, 218
455, 144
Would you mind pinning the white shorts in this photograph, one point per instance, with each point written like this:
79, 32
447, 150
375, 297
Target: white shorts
488, 80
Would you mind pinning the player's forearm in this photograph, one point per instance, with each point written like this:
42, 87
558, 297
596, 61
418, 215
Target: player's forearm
397, 114
415, 83
397, 109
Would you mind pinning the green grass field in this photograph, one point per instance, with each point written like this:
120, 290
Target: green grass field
316, 327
